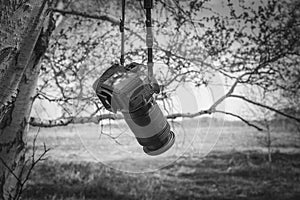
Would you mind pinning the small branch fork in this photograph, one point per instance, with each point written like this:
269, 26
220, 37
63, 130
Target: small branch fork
23, 176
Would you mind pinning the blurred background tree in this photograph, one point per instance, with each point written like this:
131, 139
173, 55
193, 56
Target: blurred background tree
250, 43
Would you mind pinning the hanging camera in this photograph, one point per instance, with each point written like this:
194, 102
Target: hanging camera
130, 90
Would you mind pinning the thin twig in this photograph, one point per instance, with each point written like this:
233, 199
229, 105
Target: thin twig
10, 170
267, 107
241, 118
113, 137
34, 161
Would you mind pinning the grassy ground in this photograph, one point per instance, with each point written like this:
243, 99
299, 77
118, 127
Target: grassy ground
232, 175
85, 142
230, 171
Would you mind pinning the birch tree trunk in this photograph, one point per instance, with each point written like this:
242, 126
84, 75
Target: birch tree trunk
20, 26
22, 44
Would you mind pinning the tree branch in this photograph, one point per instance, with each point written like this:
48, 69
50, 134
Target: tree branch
34, 162
96, 119
72, 120
188, 115
241, 118
10, 170
230, 91
86, 15
267, 107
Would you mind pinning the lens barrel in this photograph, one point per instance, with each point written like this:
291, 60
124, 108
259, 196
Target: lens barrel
158, 143
149, 125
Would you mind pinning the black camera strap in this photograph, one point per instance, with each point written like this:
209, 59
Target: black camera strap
122, 21
148, 5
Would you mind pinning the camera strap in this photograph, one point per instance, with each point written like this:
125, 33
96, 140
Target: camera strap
122, 21
148, 5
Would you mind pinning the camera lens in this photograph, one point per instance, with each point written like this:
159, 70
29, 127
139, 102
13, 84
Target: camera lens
148, 123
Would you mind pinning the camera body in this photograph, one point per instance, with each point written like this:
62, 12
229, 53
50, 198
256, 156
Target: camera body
129, 90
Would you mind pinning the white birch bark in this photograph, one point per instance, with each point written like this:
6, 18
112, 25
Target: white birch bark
19, 30
20, 55
13, 132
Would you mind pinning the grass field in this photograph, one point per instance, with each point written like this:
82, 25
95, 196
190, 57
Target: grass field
232, 175
207, 162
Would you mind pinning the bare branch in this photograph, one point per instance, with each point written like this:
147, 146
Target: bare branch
267, 107
241, 118
72, 120
115, 138
230, 91
188, 115
33, 163
86, 15
97, 119
10, 170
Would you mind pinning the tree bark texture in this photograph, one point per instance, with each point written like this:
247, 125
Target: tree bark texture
20, 26
21, 51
